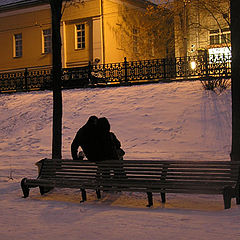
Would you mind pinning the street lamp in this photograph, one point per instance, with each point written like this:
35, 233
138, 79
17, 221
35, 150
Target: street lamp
193, 65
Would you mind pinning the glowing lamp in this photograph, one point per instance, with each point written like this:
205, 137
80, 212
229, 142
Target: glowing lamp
193, 65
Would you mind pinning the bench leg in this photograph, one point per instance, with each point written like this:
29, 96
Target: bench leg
163, 197
98, 192
25, 189
44, 190
84, 195
237, 200
150, 199
238, 195
227, 197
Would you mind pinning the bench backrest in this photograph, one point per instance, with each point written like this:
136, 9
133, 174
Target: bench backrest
145, 169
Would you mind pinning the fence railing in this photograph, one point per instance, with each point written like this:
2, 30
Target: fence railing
27, 79
204, 67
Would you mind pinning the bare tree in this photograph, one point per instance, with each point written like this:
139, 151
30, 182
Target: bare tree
193, 19
145, 31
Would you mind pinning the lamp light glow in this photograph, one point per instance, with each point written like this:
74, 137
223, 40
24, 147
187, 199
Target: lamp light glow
193, 65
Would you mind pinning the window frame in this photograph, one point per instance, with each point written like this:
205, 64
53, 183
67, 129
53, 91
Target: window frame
80, 36
17, 45
219, 36
47, 41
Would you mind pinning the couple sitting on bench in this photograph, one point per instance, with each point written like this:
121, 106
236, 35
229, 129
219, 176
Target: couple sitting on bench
98, 145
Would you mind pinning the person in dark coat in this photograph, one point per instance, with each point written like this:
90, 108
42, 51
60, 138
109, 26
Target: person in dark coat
110, 148
108, 142
86, 138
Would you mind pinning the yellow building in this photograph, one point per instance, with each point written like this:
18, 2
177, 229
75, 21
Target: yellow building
103, 31
202, 26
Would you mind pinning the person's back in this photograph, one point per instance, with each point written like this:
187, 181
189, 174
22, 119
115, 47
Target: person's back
110, 148
86, 138
107, 141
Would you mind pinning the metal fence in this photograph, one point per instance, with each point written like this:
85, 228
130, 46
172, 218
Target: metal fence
204, 67
27, 79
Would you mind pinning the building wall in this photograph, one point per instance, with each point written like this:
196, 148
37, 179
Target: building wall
77, 57
208, 22
108, 28
121, 19
200, 23
30, 24
88, 14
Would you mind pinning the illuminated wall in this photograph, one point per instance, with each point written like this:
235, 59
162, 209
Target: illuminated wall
105, 26
204, 26
30, 25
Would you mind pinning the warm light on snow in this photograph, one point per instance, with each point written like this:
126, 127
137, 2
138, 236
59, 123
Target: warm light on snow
156, 121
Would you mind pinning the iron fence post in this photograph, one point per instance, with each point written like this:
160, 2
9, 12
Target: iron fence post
125, 69
164, 69
89, 72
26, 79
206, 64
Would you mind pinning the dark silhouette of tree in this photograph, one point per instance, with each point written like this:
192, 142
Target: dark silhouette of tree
235, 86
57, 9
56, 14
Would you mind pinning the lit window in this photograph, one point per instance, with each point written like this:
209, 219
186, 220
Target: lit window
222, 36
47, 41
226, 36
18, 45
80, 36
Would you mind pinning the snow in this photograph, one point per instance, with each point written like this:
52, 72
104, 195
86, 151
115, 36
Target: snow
176, 120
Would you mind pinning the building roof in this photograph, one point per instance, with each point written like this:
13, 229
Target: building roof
13, 4
6, 5
16, 2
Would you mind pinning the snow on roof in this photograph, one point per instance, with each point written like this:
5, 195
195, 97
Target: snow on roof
13, 2
9, 4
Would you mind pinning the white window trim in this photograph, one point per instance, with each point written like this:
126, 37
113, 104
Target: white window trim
76, 37
15, 45
43, 42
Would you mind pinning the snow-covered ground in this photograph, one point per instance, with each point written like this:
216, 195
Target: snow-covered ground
158, 121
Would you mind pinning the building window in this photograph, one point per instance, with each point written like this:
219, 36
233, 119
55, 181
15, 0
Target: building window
226, 36
214, 37
135, 34
220, 36
47, 40
80, 36
18, 45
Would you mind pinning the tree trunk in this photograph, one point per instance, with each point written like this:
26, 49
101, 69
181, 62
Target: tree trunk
235, 86
56, 11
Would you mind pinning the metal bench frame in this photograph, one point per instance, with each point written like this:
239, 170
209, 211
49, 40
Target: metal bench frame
149, 176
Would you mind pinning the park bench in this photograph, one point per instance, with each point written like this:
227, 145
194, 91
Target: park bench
148, 176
